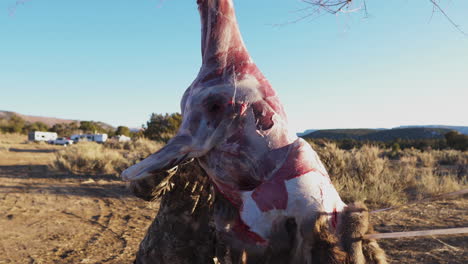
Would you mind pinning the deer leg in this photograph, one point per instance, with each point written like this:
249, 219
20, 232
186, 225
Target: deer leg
354, 226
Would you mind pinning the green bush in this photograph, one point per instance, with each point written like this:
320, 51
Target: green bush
162, 127
457, 141
123, 130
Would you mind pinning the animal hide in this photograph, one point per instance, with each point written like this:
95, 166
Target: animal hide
184, 228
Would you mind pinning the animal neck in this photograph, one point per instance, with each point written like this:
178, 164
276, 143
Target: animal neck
222, 44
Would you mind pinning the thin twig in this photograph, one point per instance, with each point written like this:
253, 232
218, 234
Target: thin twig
330, 6
445, 244
437, 6
300, 19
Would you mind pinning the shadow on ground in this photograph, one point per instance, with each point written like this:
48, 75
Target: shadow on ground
39, 179
44, 172
33, 150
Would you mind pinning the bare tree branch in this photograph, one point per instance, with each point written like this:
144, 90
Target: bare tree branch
436, 6
345, 6
333, 6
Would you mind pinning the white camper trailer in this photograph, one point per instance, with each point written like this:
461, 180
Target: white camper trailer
42, 136
122, 138
100, 138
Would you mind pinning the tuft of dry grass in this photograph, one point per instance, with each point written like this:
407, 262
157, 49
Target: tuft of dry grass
110, 158
366, 174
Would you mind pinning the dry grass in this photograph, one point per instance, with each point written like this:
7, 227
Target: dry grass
366, 174
15, 149
12, 138
110, 158
88, 158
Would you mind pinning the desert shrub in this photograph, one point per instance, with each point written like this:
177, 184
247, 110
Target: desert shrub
366, 164
334, 158
366, 174
433, 184
114, 144
394, 153
360, 174
426, 159
423, 158
457, 160
12, 138
91, 127
139, 149
66, 129
142, 144
89, 158
36, 126
162, 127
110, 158
16, 124
123, 130
452, 157
458, 141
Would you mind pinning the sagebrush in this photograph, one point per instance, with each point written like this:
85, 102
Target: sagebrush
110, 158
369, 174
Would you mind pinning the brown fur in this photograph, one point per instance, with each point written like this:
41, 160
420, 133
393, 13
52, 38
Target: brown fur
182, 231
325, 247
355, 224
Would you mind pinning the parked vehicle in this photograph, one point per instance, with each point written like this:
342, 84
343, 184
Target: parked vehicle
61, 141
42, 136
79, 138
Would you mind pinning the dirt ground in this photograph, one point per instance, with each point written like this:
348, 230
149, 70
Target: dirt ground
48, 217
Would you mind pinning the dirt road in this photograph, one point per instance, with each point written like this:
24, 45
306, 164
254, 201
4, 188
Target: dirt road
53, 218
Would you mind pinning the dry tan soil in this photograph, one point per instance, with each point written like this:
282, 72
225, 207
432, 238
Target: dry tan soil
47, 217
50, 218
441, 249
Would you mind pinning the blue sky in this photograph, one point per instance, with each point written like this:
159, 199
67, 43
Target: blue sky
119, 61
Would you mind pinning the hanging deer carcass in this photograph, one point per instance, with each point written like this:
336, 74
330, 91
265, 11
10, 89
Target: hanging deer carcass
235, 126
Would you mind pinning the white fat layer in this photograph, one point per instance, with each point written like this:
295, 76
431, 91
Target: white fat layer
305, 200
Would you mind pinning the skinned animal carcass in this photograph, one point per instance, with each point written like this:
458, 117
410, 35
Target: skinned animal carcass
235, 126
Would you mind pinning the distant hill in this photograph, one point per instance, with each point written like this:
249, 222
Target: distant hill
460, 129
49, 121
380, 134
308, 131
